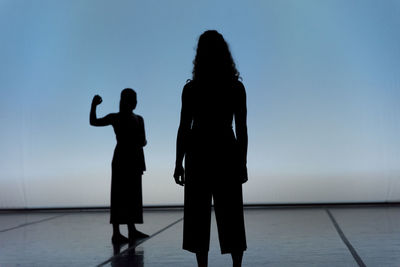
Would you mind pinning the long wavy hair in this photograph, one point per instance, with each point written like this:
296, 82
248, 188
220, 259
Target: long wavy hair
213, 60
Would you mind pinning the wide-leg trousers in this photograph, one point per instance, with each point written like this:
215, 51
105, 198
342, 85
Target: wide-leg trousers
228, 207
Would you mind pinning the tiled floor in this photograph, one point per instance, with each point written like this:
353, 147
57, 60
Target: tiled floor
316, 236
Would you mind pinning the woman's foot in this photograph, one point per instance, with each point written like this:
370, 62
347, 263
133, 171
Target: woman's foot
119, 239
139, 234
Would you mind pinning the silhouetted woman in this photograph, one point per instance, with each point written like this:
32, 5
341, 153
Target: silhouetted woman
215, 158
127, 166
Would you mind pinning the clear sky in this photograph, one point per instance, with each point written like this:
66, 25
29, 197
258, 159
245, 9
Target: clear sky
322, 80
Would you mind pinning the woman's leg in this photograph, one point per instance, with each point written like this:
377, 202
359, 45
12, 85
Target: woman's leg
202, 259
116, 231
197, 216
117, 238
228, 207
131, 231
237, 258
134, 233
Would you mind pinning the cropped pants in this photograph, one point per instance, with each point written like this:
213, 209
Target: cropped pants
228, 207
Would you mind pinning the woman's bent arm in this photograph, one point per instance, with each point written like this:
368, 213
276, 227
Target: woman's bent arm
93, 120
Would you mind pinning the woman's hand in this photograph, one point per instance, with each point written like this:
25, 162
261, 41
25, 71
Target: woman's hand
96, 100
179, 175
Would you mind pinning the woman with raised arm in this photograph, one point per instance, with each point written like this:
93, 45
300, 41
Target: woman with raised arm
215, 155
127, 165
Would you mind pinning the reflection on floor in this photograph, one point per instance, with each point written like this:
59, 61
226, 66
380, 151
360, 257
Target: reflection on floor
289, 236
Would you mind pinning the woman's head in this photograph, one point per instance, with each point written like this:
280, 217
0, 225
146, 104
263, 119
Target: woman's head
213, 59
128, 100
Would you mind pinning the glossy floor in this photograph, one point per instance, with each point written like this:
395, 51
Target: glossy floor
316, 236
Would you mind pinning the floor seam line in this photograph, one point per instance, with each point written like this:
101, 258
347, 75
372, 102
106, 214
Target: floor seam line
139, 243
352, 250
30, 223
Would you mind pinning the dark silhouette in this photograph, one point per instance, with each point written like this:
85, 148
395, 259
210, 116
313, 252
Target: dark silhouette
215, 158
128, 165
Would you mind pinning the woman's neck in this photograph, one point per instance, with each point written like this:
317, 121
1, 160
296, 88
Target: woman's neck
126, 112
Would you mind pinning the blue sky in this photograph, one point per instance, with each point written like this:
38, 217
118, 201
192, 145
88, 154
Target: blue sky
322, 79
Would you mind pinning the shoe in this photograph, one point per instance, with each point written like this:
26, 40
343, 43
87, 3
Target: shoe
119, 239
139, 234
132, 242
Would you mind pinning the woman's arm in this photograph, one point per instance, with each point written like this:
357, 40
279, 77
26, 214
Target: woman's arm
143, 133
93, 120
183, 133
241, 130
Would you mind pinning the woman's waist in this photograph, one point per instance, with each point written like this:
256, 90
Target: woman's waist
216, 137
126, 146
215, 129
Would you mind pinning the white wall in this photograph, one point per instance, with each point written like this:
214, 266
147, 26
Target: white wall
322, 80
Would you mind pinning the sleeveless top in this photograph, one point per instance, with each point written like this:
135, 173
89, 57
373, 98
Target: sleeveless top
130, 135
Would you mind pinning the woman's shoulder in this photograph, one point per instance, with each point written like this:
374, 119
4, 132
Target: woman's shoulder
188, 85
137, 116
238, 85
188, 88
239, 89
112, 116
140, 118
